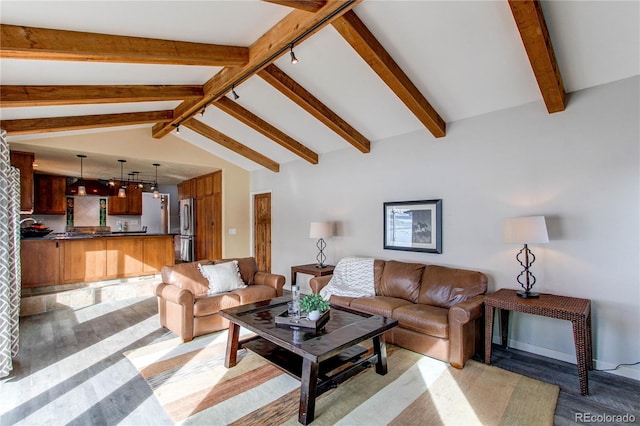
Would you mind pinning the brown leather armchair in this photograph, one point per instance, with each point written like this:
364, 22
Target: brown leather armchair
185, 307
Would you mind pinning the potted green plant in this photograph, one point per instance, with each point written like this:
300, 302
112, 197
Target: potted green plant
314, 305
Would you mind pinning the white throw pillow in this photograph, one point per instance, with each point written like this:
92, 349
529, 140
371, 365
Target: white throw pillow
222, 277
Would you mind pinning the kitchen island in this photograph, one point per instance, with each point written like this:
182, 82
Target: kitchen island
66, 259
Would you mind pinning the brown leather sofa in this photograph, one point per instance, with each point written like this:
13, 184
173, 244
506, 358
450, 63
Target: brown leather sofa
439, 309
185, 307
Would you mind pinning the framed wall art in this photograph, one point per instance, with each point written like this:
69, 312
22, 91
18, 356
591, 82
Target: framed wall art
413, 226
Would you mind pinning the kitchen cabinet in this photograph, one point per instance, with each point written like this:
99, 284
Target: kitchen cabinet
157, 252
131, 205
83, 260
40, 261
207, 191
124, 257
187, 189
49, 197
209, 227
24, 162
47, 262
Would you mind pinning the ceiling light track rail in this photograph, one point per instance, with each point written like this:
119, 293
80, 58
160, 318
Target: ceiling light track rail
271, 59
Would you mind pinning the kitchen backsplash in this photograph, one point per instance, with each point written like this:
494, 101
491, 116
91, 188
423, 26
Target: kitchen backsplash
86, 212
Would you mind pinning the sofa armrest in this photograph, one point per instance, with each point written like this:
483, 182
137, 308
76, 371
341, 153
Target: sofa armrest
318, 283
175, 309
466, 311
464, 330
174, 294
271, 280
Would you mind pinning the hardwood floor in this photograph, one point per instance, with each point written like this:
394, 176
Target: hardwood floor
71, 370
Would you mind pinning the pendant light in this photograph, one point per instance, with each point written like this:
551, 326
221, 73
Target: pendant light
156, 193
122, 192
82, 190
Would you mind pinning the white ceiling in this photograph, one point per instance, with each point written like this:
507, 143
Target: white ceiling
466, 57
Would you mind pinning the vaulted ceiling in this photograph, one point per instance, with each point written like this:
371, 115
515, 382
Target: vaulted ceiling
367, 70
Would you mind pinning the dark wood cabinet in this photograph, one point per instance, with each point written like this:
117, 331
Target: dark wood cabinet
131, 205
24, 162
49, 195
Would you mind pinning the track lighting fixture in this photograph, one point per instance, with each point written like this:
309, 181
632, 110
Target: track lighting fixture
177, 129
294, 60
202, 112
233, 92
122, 192
82, 190
156, 193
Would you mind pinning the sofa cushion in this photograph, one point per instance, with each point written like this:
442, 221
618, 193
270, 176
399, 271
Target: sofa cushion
424, 319
255, 293
187, 276
248, 268
222, 277
343, 301
445, 287
378, 305
401, 279
209, 305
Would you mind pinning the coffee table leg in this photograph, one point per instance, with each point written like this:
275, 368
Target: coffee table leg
308, 389
231, 355
380, 349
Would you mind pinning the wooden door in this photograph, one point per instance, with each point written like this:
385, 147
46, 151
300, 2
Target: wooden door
262, 231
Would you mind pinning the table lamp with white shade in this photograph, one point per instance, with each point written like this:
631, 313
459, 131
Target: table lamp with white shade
526, 230
321, 230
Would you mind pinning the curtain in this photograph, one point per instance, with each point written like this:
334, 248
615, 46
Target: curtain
9, 258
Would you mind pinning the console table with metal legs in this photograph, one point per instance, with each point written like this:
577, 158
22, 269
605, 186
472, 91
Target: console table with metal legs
578, 311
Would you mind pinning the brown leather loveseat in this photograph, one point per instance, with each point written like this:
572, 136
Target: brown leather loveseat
439, 309
185, 307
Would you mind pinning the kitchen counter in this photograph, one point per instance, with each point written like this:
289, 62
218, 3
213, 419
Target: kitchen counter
67, 259
73, 236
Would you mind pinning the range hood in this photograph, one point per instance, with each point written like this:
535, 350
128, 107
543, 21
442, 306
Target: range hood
93, 187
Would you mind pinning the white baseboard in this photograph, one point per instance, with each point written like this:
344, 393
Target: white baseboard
631, 373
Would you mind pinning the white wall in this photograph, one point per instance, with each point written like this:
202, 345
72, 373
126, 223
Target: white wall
579, 168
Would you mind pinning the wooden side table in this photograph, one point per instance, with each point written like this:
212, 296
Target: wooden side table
578, 311
310, 269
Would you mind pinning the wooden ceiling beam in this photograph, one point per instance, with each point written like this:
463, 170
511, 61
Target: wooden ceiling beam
231, 144
256, 123
59, 124
31, 96
537, 42
353, 30
20, 42
307, 5
291, 89
296, 27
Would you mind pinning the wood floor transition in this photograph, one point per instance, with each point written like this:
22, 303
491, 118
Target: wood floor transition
71, 370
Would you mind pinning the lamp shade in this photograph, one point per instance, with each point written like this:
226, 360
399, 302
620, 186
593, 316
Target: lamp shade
526, 230
320, 230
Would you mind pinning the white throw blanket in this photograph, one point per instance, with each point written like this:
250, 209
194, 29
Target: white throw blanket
353, 277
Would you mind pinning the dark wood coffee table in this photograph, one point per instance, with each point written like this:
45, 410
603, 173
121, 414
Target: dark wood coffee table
320, 360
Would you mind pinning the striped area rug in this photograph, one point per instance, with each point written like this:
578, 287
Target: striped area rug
194, 387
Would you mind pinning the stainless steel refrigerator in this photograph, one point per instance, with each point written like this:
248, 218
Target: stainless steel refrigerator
187, 230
